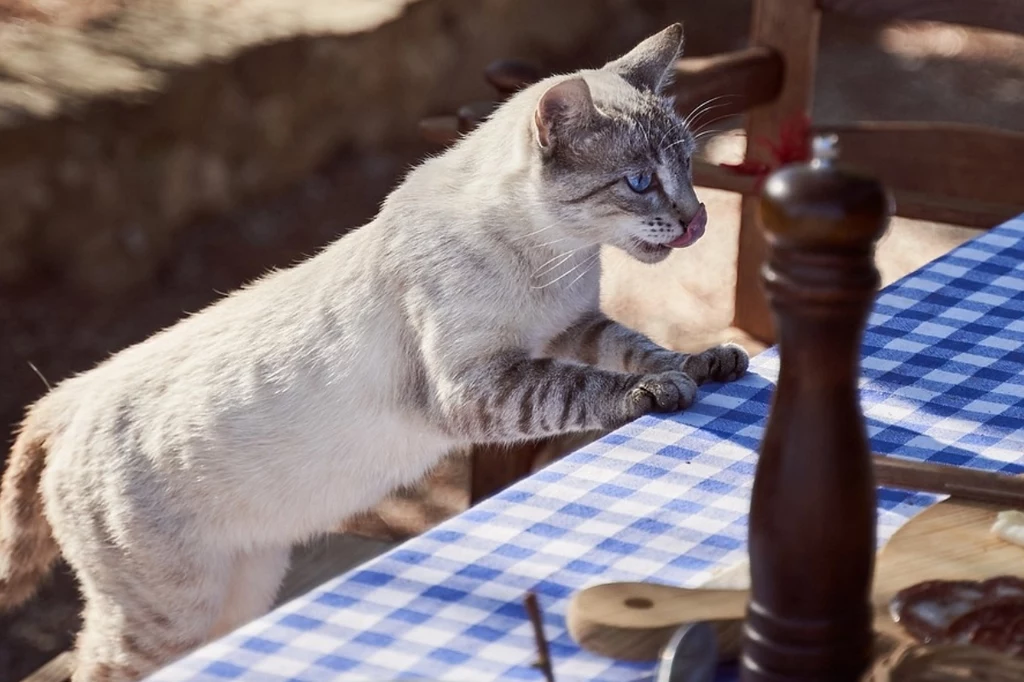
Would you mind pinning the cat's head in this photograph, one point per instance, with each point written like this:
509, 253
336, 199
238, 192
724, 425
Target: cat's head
615, 155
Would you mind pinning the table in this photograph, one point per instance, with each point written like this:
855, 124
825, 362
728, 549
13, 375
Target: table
663, 499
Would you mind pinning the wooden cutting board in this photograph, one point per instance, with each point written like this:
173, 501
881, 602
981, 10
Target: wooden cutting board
951, 540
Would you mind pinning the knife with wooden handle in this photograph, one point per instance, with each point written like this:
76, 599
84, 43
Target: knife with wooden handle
633, 621
943, 479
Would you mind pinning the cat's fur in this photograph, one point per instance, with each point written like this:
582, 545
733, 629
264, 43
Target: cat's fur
175, 476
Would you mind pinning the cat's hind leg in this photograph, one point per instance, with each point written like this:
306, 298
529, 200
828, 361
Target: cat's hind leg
145, 609
157, 602
256, 578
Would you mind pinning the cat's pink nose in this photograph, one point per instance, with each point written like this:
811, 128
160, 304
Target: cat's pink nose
692, 230
699, 221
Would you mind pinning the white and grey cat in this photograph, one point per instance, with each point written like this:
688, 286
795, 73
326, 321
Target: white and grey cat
176, 476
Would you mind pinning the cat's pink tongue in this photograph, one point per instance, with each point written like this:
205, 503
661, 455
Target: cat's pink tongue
694, 230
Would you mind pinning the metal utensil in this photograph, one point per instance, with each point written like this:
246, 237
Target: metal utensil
691, 655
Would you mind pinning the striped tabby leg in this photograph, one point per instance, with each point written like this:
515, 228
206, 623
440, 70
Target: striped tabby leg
600, 341
515, 397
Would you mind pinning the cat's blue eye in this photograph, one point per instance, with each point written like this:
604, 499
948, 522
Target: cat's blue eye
640, 182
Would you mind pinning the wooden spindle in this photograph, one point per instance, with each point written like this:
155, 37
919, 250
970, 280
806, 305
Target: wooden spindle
472, 114
440, 130
508, 76
813, 514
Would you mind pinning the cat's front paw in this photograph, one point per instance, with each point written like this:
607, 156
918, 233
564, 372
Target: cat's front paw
666, 392
727, 362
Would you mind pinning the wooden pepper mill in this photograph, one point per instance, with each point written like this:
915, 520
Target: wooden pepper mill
813, 511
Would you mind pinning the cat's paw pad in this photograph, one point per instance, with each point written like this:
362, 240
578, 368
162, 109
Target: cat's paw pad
724, 363
667, 392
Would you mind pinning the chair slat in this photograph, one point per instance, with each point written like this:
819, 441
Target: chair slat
909, 204
949, 161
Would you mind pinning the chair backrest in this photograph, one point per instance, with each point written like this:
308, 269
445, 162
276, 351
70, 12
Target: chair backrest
960, 174
944, 172
1003, 15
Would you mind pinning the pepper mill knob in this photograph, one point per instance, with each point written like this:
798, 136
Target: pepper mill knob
824, 149
813, 510
824, 205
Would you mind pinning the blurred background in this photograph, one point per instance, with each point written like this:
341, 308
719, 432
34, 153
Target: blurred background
155, 154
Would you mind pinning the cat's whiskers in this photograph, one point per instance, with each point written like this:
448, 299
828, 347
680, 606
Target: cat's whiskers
711, 131
700, 110
693, 115
716, 131
647, 133
543, 229
594, 260
704, 126
548, 245
526, 235
705, 106
567, 272
724, 133
675, 144
669, 132
562, 258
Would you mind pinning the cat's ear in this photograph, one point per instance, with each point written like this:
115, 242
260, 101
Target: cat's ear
648, 66
566, 108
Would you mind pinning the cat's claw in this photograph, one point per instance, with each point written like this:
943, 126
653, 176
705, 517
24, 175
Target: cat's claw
666, 392
724, 363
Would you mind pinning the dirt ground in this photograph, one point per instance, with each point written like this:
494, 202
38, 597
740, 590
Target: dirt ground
905, 72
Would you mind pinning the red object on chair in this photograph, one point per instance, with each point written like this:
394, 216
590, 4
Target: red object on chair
794, 145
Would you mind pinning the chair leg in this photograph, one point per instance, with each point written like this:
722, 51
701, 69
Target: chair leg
752, 314
790, 27
495, 467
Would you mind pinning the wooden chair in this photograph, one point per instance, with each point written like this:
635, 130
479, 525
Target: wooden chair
952, 173
959, 174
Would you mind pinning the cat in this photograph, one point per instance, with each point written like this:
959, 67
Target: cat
175, 476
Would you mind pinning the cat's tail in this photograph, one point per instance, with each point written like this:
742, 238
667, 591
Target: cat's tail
27, 548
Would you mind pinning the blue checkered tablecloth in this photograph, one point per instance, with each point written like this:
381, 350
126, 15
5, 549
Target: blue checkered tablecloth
663, 499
